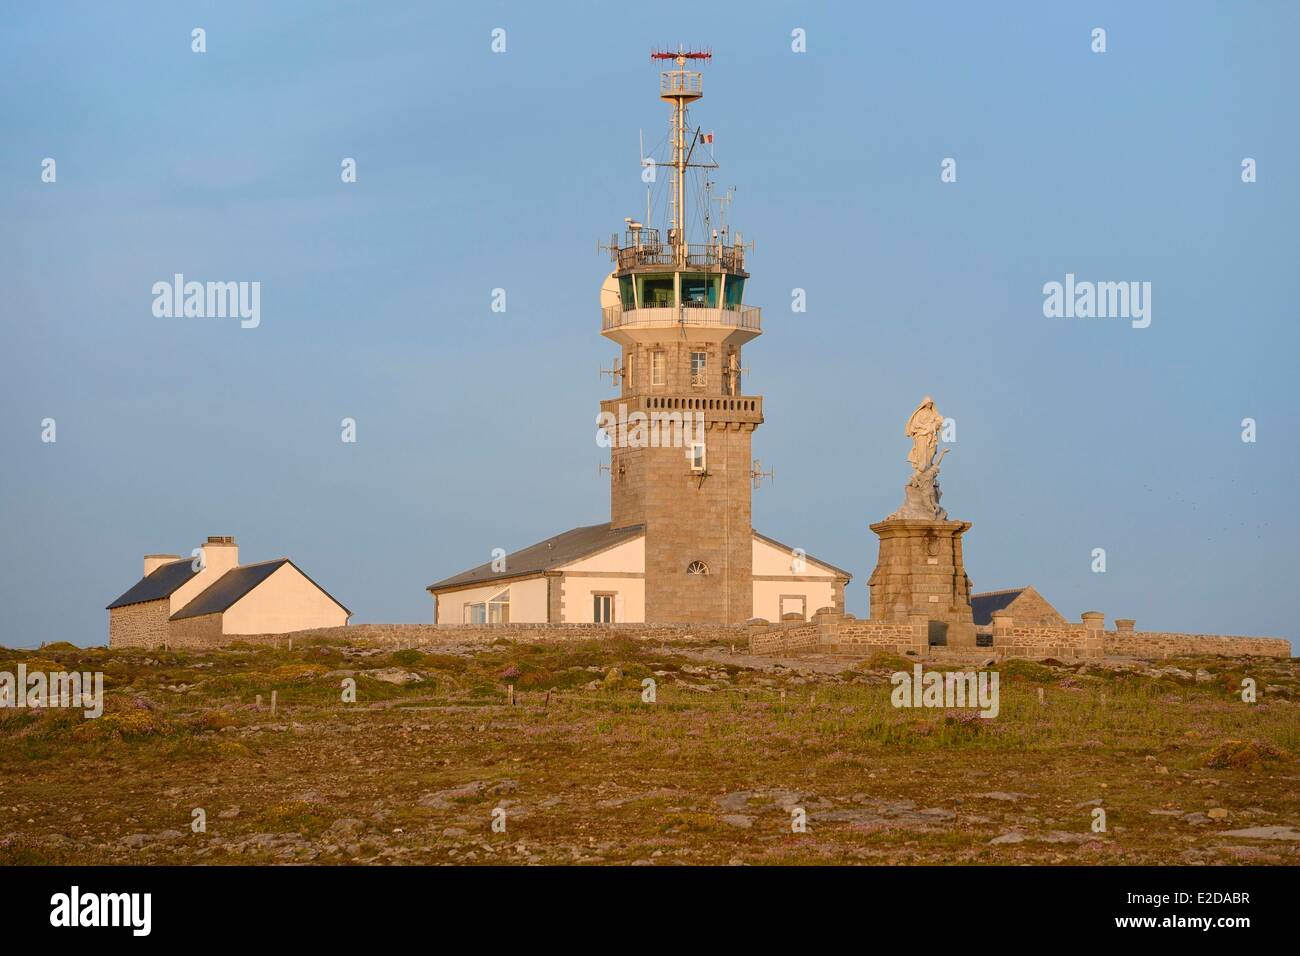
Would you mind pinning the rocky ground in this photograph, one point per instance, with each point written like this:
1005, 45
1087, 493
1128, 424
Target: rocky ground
431, 763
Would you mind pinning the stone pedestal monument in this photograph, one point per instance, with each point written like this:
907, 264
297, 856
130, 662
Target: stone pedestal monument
920, 569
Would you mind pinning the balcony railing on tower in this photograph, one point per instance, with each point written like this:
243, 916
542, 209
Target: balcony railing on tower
644, 248
743, 317
681, 83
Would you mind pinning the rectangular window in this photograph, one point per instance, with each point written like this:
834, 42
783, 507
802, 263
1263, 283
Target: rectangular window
735, 292
657, 291
699, 363
700, 291
625, 294
498, 609
697, 456
476, 613
794, 604
603, 608
656, 368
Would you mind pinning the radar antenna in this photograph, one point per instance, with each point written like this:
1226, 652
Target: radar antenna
681, 87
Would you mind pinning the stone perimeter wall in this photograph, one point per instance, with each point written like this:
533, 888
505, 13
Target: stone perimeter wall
1081, 640
1170, 644
828, 632
196, 632
832, 633
201, 632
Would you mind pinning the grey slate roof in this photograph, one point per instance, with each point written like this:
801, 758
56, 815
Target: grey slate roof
215, 598
229, 588
545, 555
158, 585
983, 605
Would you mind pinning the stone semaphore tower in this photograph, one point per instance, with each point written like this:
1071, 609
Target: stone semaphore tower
680, 458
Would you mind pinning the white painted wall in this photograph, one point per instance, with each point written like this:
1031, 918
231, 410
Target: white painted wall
286, 601
819, 594
813, 580
628, 557
527, 601
629, 603
609, 566
769, 559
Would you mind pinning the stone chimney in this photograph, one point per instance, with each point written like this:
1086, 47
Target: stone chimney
152, 562
1094, 642
220, 554
1124, 624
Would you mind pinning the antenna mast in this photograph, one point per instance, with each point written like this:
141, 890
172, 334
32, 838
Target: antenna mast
679, 87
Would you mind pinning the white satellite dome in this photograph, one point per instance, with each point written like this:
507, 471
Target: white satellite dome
609, 297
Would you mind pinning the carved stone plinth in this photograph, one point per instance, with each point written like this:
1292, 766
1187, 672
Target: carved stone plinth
920, 571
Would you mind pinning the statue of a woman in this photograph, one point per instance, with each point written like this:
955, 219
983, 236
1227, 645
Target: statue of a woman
921, 494
923, 428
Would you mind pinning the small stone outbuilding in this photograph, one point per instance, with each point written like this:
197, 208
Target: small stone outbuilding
1025, 604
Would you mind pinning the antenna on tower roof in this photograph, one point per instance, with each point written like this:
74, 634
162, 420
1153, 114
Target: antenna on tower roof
724, 201
681, 53
680, 87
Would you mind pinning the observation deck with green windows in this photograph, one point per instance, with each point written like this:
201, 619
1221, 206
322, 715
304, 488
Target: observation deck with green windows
665, 284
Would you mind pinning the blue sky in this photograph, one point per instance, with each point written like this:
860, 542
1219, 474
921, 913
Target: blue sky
479, 170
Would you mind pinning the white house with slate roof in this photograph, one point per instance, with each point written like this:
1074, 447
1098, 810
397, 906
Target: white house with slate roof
182, 601
596, 574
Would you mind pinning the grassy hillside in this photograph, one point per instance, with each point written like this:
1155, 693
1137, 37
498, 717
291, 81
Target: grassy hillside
585, 772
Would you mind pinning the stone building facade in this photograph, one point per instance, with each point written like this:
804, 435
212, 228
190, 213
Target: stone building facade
1025, 605
695, 510
599, 574
921, 570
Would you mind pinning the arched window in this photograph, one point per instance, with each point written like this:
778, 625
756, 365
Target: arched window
697, 567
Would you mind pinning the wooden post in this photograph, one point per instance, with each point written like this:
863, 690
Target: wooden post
291, 643
510, 694
259, 701
273, 693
